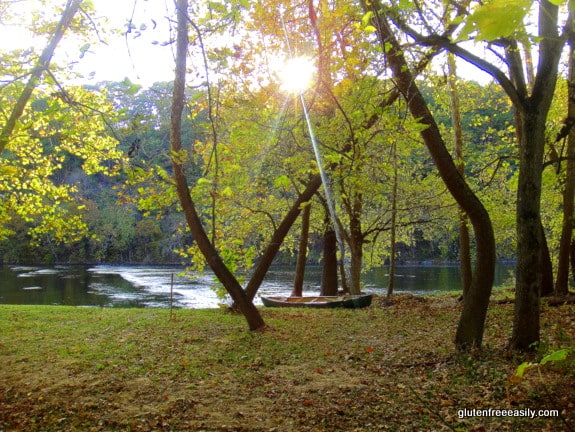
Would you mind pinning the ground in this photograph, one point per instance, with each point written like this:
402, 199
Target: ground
387, 367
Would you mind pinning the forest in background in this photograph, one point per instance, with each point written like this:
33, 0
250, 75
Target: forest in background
131, 216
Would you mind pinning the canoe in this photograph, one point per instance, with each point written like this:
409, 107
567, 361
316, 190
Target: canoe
343, 301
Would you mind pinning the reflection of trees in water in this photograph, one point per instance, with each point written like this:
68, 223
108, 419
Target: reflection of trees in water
150, 287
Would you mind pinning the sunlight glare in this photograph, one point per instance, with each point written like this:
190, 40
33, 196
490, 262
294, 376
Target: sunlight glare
296, 74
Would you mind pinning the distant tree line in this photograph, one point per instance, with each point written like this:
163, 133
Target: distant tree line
132, 217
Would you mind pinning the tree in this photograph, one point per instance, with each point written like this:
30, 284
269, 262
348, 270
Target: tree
353, 118
41, 66
499, 25
464, 241
471, 325
568, 133
393, 228
207, 248
53, 137
532, 106
532, 112
302, 251
63, 142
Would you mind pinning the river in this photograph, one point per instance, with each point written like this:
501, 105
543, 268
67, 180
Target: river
139, 286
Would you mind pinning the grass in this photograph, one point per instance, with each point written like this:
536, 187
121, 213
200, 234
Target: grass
382, 368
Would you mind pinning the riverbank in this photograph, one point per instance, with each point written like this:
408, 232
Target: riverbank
382, 368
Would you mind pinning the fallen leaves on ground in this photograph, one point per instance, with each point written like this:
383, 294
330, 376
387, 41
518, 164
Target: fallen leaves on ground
388, 367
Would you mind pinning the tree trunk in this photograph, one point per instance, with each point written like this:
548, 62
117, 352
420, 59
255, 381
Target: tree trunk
471, 324
302, 253
211, 255
278, 236
572, 258
533, 115
392, 251
562, 282
546, 267
343, 277
329, 272
529, 234
356, 245
464, 242
356, 263
42, 65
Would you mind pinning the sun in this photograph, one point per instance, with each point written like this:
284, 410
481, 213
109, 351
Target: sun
296, 74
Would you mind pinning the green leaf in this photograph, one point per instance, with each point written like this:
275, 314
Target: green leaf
555, 356
180, 156
203, 181
84, 49
366, 18
496, 19
218, 7
370, 29
227, 192
282, 182
522, 368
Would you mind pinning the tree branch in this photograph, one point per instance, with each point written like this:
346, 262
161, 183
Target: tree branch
42, 65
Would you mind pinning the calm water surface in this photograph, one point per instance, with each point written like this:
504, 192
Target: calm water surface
128, 286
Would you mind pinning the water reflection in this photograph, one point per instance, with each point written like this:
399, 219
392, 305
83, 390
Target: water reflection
127, 286
38, 285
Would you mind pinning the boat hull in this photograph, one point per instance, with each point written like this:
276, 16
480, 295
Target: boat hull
322, 302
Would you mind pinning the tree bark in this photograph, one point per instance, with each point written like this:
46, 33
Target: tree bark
302, 252
533, 112
356, 241
562, 281
392, 246
472, 321
529, 236
210, 253
42, 65
546, 267
572, 258
329, 278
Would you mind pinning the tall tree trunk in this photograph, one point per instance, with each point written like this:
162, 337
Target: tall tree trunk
302, 252
546, 267
562, 281
343, 277
572, 258
533, 115
529, 235
464, 241
211, 255
392, 252
42, 65
329, 271
472, 321
528, 82
355, 244
356, 263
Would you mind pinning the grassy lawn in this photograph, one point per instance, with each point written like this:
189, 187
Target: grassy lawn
382, 368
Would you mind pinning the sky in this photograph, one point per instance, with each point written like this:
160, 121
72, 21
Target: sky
141, 55
144, 55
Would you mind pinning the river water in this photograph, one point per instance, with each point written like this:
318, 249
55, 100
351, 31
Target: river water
136, 286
